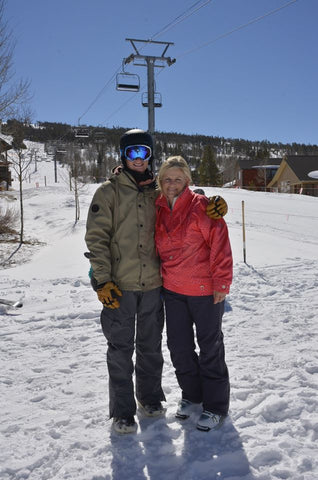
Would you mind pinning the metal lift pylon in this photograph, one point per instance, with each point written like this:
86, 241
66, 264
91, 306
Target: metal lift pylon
151, 62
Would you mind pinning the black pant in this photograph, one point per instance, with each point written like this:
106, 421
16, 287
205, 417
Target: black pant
204, 377
138, 321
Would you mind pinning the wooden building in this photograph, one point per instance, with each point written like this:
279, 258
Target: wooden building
297, 174
5, 174
255, 174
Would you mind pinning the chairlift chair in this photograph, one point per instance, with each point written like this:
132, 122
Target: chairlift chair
81, 132
99, 132
128, 82
99, 135
157, 103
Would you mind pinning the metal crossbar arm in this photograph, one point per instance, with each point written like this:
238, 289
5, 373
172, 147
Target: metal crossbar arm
133, 40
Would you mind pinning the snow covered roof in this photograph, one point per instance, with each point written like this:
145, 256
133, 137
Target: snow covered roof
313, 174
268, 167
247, 163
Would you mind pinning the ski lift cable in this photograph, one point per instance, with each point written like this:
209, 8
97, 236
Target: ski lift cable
183, 16
100, 93
118, 109
128, 100
240, 27
122, 106
180, 18
174, 22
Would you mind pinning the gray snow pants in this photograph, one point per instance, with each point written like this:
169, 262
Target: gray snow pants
136, 324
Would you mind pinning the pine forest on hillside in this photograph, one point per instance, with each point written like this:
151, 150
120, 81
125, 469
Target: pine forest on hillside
99, 149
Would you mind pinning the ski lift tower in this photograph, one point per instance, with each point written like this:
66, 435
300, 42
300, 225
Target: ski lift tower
151, 62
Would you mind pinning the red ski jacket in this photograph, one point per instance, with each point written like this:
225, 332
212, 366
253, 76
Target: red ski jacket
195, 251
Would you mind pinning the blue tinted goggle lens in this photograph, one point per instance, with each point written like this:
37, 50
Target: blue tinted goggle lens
138, 151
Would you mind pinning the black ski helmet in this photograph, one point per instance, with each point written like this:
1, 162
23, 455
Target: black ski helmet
135, 137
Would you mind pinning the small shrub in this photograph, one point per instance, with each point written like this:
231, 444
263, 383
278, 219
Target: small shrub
8, 221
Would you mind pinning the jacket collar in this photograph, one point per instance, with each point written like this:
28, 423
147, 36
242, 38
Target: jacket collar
181, 202
124, 178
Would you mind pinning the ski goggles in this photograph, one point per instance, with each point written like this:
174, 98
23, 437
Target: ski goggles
137, 151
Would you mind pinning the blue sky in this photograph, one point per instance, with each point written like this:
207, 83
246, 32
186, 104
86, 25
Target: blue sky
260, 82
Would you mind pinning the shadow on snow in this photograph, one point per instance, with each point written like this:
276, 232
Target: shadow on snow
165, 448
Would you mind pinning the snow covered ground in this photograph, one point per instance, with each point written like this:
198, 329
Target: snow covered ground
53, 376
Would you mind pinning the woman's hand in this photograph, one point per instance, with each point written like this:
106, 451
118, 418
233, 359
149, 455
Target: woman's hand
216, 208
218, 297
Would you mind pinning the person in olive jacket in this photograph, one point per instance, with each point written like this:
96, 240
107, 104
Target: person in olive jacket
126, 271
120, 239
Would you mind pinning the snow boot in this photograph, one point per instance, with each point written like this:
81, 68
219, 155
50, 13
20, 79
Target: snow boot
185, 408
124, 425
209, 421
152, 410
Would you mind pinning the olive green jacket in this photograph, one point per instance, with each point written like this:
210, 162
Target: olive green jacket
120, 234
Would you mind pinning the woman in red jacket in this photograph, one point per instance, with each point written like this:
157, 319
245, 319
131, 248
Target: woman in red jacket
196, 268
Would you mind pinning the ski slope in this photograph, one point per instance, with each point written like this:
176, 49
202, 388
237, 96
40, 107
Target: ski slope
53, 376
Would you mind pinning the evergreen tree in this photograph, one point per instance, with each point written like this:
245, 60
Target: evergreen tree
209, 173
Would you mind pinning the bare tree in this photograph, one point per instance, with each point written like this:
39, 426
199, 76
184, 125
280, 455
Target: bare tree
20, 161
12, 94
75, 184
76, 174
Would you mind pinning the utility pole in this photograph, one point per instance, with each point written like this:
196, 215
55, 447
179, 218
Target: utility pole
151, 62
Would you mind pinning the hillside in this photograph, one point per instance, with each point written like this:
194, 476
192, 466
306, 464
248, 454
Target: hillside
93, 151
168, 142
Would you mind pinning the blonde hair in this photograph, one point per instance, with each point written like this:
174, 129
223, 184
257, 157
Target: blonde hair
174, 162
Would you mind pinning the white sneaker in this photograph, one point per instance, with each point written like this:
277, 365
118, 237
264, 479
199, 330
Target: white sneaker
209, 421
152, 410
124, 425
185, 408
